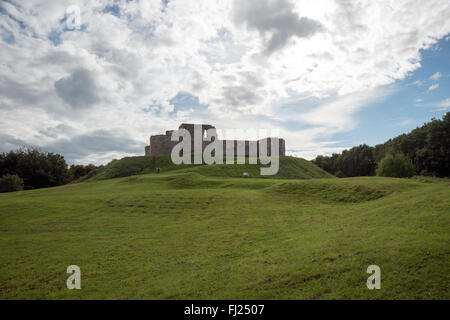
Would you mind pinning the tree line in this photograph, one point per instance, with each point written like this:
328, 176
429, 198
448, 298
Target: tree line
30, 168
424, 151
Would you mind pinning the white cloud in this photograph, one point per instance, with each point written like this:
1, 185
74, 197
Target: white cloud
436, 76
116, 76
444, 104
338, 115
433, 87
437, 106
406, 122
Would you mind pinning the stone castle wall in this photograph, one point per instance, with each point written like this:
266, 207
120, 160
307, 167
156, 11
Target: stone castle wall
162, 144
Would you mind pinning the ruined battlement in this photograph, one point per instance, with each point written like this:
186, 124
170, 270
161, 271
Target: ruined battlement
162, 144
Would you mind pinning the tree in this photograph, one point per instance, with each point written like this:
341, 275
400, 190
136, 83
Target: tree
358, 161
397, 165
37, 169
78, 171
11, 183
427, 147
433, 158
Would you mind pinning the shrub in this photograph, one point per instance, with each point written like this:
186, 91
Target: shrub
396, 165
340, 174
11, 183
78, 171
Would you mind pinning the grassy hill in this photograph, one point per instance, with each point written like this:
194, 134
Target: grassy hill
189, 234
290, 168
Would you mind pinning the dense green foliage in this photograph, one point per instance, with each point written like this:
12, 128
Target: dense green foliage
11, 183
289, 167
78, 171
396, 165
358, 161
183, 235
37, 169
428, 147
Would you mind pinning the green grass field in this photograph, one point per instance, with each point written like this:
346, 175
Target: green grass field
202, 233
289, 168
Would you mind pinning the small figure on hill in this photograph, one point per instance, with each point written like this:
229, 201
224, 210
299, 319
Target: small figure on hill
158, 170
245, 175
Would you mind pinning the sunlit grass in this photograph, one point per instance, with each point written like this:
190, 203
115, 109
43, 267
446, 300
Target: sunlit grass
181, 235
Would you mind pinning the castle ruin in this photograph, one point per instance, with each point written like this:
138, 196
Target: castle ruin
162, 144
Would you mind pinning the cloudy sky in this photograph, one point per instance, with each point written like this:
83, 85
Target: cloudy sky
327, 75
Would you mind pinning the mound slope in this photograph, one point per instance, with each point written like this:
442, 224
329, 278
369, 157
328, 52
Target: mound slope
290, 168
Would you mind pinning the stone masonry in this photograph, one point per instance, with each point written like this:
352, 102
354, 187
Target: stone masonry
161, 144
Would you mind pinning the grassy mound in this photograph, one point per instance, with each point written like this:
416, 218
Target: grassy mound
289, 168
183, 235
129, 166
333, 191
